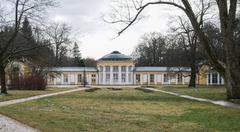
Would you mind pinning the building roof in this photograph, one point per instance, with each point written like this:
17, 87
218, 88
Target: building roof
115, 56
72, 69
157, 69
137, 69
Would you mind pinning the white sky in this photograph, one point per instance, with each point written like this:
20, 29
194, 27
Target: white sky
96, 37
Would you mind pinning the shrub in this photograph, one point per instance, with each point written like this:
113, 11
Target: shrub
34, 82
92, 89
144, 90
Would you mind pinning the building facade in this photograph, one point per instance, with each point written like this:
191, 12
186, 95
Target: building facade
119, 69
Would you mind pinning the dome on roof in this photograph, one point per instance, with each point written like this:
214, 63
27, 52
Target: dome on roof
115, 55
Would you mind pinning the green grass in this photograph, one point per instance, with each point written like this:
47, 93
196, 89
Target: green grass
213, 92
17, 94
123, 110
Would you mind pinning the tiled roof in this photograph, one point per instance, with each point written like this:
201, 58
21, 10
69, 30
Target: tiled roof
72, 69
146, 69
115, 55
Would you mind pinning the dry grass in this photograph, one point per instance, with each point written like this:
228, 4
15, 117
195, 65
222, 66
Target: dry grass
17, 94
211, 92
123, 110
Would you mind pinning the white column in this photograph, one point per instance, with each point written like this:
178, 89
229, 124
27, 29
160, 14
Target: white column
182, 79
162, 78
104, 75
127, 77
119, 75
69, 78
111, 74
54, 80
75, 78
148, 79
155, 78
97, 78
210, 78
176, 79
218, 79
62, 79
134, 78
207, 79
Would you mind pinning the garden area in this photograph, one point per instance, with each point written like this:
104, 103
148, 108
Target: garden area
122, 110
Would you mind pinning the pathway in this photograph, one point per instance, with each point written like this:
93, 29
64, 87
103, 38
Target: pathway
10, 125
220, 102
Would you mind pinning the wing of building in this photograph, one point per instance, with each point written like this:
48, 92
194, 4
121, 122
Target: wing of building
119, 69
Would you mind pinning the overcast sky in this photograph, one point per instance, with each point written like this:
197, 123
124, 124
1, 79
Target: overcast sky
96, 37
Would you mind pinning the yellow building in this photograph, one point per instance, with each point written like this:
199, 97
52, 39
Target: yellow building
119, 69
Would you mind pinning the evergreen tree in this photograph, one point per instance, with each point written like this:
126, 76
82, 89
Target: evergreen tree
27, 29
77, 54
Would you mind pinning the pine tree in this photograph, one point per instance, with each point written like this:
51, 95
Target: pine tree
77, 54
27, 29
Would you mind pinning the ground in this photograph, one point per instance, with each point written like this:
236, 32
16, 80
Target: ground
17, 94
211, 92
123, 110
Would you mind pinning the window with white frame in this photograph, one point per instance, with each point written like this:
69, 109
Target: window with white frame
93, 78
79, 78
123, 77
152, 78
165, 78
138, 78
65, 78
115, 77
214, 78
107, 68
115, 68
179, 77
107, 77
123, 69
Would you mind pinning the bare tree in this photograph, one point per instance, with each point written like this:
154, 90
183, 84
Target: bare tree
59, 36
22, 8
185, 33
151, 50
227, 17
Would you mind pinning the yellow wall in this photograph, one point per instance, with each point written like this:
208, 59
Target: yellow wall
111, 63
202, 76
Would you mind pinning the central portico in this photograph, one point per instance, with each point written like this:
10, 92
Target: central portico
115, 69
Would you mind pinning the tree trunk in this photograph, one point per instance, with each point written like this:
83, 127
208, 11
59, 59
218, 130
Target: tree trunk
3, 80
232, 73
192, 82
233, 83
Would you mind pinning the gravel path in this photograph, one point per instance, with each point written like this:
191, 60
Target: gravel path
220, 102
10, 125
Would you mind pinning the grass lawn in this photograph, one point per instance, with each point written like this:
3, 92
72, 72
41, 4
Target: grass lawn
211, 92
123, 110
17, 94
